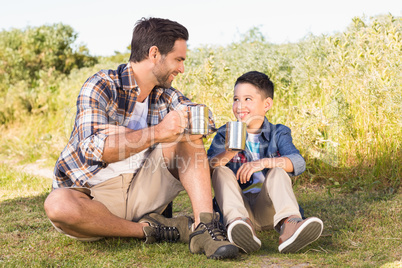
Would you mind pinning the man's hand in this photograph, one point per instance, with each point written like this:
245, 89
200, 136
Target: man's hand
172, 127
247, 169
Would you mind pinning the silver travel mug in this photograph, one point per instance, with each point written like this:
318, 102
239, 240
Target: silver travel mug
198, 119
235, 136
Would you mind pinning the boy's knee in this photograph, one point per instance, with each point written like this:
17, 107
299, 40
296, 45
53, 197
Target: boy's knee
278, 173
222, 175
221, 171
278, 170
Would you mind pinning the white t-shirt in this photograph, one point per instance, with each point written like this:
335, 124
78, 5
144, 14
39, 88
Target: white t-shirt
253, 146
131, 164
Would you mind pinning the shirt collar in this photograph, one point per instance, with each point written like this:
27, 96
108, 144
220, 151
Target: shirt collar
159, 90
128, 79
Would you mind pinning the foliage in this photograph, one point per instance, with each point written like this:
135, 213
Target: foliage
31, 62
352, 84
341, 95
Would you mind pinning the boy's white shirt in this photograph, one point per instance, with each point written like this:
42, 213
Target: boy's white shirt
252, 143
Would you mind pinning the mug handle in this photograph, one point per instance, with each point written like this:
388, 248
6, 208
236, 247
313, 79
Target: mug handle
187, 128
211, 130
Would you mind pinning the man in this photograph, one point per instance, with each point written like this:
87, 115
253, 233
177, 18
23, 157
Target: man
128, 156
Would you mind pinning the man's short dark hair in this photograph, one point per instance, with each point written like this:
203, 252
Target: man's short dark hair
259, 80
162, 33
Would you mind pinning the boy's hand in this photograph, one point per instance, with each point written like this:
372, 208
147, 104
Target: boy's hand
247, 169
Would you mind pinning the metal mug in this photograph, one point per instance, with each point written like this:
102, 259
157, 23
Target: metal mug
198, 119
235, 136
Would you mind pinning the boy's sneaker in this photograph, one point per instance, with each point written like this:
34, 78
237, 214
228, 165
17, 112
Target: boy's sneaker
296, 233
209, 238
166, 229
241, 233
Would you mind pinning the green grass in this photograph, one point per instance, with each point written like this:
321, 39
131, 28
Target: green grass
362, 229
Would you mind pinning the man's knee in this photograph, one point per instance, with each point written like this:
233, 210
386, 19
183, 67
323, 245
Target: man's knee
62, 205
183, 156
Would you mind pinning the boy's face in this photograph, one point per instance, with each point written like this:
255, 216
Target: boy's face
250, 106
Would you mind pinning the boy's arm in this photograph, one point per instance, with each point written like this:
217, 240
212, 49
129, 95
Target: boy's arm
247, 169
221, 159
287, 149
282, 162
217, 154
289, 160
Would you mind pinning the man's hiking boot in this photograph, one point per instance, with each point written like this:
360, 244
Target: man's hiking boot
166, 229
209, 238
242, 234
297, 233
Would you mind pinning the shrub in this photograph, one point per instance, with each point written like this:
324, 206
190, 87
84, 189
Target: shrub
31, 62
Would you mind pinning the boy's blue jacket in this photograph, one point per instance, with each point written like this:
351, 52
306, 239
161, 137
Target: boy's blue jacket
275, 141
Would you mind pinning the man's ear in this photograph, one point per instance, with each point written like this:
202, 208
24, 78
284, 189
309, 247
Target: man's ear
153, 53
268, 102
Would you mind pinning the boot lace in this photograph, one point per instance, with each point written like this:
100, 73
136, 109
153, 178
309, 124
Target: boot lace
166, 233
216, 230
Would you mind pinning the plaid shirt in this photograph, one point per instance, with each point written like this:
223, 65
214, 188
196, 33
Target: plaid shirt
108, 97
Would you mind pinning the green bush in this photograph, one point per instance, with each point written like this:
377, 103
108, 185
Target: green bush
31, 63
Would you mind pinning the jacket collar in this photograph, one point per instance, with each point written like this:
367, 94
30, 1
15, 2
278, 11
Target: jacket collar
266, 129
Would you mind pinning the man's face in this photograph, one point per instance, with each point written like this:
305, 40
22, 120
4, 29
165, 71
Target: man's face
171, 64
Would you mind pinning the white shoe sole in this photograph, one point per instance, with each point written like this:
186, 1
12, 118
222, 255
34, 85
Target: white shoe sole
241, 234
307, 233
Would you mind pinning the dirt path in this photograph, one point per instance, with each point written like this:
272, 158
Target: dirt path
36, 169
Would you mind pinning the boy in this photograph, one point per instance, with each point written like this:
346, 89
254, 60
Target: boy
252, 187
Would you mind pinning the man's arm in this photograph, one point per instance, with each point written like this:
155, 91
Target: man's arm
100, 141
123, 142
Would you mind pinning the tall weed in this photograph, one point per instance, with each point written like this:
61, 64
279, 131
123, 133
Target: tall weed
341, 95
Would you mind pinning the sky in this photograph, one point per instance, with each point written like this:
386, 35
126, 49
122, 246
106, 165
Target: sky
106, 26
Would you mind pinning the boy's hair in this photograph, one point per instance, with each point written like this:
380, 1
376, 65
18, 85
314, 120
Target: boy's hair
162, 33
259, 80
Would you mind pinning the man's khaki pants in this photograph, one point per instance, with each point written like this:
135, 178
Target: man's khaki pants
131, 197
150, 190
265, 209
